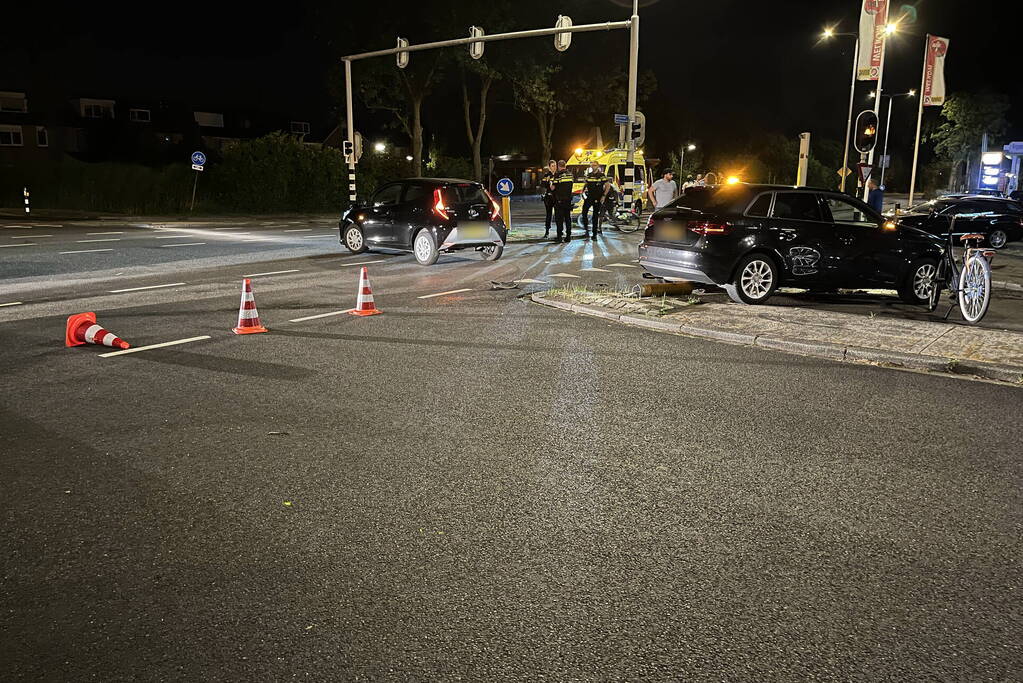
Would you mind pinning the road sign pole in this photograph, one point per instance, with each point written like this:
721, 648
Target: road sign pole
194, 183
351, 131
630, 155
884, 154
848, 123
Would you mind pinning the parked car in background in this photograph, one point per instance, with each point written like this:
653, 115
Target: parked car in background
427, 216
999, 219
750, 239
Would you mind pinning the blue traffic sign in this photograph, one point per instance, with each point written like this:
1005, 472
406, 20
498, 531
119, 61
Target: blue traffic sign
505, 187
621, 119
198, 158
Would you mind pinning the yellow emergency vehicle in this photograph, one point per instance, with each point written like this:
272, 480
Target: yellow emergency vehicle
613, 163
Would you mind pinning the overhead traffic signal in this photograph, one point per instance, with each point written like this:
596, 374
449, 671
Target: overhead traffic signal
866, 132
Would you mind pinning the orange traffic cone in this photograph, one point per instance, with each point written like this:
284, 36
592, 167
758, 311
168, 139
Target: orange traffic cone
248, 316
365, 305
82, 329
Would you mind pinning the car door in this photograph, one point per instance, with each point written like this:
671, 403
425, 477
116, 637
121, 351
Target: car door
377, 226
870, 254
410, 213
805, 240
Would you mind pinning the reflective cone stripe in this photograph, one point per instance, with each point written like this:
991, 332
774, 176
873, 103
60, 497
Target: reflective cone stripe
248, 316
83, 329
364, 305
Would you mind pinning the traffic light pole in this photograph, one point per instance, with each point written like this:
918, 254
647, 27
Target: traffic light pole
632, 24
877, 107
630, 155
848, 123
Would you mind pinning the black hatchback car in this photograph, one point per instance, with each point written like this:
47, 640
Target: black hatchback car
427, 216
998, 218
750, 239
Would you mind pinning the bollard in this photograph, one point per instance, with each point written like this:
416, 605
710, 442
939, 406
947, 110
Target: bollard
669, 288
506, 212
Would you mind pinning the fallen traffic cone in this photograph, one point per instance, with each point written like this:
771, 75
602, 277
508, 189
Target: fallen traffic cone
248, 316
82, 329
365, 305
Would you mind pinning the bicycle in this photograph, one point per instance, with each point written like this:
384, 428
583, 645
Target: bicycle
620, 219
970, 286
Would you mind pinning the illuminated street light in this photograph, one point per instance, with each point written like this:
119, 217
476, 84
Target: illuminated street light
408, 158
829, 32
691, 147
380, 147
891, 28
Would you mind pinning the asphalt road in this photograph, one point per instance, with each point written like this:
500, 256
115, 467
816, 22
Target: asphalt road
473, 487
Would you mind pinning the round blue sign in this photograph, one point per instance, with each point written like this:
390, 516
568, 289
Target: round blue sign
505, 187
198, 158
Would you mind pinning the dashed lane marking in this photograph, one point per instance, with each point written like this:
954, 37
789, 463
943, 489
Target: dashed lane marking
110, 232
105, 239
19, 244
321, 315
563, 275
85, 251
237, 228
619, 265
28, 237
171, 237
299, 230
139, 289
362, 263
315, 237
272, 272
11, 303
154, 346
594, 270
184, 244
453, 291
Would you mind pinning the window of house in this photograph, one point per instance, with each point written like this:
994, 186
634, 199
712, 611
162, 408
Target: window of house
12, 101
300, 127
140, 115
10, 136
95, 111
42, 138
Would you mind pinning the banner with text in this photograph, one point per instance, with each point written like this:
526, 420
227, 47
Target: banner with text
934, 71
873, 20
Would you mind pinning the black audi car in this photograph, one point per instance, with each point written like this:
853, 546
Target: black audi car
999, 218
750, 239
427, 216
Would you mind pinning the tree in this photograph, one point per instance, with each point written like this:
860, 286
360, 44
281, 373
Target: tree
966, 117
534, 94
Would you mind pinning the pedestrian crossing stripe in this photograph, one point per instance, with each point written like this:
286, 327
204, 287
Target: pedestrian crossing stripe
593, 270
619, 265
563, 275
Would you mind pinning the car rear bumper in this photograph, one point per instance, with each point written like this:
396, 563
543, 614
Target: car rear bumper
459, 240
677, 263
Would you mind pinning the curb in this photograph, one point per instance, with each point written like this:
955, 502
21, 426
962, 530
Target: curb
1011, 374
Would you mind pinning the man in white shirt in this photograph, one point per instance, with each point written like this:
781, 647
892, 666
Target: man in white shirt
663, 191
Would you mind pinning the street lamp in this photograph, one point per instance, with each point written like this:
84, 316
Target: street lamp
682, 157
830, 33
380, 147
887, 127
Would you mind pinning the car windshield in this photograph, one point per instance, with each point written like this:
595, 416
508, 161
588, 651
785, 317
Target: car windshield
464, 193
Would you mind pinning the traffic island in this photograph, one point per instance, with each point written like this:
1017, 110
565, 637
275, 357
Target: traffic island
912, 344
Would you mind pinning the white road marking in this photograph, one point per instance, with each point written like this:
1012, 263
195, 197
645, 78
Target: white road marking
105, 239
272, 272
137, 289
27, 237
453, 291
11, 303
619, 265
153, 346
238, 228
299, 230
563, 275
363, 263
594, 270
85, 251
240, 233
530, 282
183, 244
321, 315
48, 225
315, 237
19, 244
171, 237
111, 232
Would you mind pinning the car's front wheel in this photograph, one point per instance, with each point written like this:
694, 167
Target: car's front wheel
425, 248
919, 280
997, 238
354, 239
492, 252
755, 280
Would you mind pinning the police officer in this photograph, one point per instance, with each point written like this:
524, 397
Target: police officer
547, 193
597, 187
563, 181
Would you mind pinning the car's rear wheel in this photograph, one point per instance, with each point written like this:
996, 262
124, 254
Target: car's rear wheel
425, 248
997, 238
354, 239
919, 280
755, 280
492, 252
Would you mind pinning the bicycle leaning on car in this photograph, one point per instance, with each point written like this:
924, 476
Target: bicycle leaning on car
969, 285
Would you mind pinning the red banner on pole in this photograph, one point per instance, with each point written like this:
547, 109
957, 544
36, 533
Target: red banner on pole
934, 71
873, 22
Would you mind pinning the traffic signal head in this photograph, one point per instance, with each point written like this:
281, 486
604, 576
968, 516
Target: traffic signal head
349, 148
866, 132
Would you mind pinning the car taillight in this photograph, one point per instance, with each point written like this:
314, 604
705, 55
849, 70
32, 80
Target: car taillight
650, 221
707, 227
438, 204
495, 208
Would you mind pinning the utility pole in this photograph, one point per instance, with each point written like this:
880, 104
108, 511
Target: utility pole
849, 120
630, 154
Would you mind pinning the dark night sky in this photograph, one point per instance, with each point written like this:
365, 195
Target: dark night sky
724, 67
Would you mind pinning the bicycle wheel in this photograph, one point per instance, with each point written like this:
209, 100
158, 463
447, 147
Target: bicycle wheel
629, 222
975, 289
